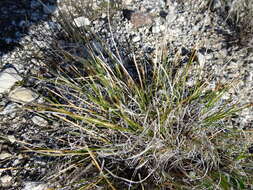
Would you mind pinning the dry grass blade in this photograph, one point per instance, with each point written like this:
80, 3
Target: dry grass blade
92, 155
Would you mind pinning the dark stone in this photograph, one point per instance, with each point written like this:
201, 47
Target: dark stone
127, 13
163, 14
250, 149
184, 51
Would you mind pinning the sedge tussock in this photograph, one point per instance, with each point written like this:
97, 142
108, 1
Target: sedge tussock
146, 125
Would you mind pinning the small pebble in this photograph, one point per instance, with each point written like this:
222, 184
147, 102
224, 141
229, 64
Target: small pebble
81, 21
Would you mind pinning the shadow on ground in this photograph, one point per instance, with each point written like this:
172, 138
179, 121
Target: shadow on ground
17, 16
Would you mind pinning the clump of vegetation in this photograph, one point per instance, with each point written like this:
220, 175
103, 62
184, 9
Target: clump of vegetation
142, 124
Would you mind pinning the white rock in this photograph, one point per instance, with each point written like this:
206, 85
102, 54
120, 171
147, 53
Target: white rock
8, 78
16, 162
162, 27
127, 2
35, 186
196, 28
11, 138
39, 121
41, 100
81, 21
136, 38
6, 180
156, 29
5, 155
201, 59
22, 95
104, 15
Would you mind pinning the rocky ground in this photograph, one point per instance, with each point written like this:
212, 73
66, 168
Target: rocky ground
139, 26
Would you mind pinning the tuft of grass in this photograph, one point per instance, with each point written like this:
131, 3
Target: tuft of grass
143, 124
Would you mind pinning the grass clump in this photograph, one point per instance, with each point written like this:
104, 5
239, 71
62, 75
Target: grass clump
144, 125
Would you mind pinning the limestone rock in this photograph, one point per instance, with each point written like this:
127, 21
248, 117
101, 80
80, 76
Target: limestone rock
127, 2
201, 59
5, 155
8, 78
81, 21
156, 29
39, 121
11, 138
22, 95
136, 38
